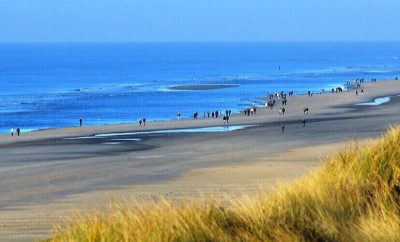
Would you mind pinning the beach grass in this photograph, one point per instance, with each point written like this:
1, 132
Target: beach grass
354, 196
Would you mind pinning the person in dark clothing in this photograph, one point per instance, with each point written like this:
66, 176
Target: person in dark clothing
144, 121
18, 131
80, 122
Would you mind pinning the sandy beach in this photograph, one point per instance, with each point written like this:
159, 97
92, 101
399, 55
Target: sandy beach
46, 175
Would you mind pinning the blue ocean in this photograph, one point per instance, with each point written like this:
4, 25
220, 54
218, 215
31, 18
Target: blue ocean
53, 85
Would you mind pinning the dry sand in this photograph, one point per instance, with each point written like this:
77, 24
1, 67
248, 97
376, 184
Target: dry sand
45, 176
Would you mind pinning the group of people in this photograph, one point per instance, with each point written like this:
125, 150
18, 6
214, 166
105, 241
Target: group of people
215, 114
17, 131
250, 111
142, 121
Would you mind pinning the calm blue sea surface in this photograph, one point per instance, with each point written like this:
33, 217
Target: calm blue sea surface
53, 85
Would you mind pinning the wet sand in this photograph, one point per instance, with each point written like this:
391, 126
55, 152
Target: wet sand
47, 174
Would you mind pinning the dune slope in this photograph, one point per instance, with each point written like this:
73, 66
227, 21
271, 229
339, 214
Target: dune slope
353, 197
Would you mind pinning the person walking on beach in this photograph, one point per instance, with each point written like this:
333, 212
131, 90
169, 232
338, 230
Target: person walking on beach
144, 121
12, 131
80, 122
179, 116
140, 122
18, 131
283, 128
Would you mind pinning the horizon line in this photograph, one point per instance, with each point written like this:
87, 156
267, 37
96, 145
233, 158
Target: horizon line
194, 42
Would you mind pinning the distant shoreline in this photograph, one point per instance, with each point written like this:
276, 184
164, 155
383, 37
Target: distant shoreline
173, 123
202, 87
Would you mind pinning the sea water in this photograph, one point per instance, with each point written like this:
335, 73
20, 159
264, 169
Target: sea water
54, 85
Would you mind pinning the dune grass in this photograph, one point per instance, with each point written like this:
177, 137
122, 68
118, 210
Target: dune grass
353, 197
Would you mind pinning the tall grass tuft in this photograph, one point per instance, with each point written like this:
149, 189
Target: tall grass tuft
353, 197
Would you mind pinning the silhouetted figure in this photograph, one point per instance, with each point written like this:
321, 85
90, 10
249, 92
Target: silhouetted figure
12, 131
140, 122
80, 122
144, 121
18, 131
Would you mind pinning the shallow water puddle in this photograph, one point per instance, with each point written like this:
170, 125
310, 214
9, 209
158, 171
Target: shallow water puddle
115, 141
375, 102
174, 131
